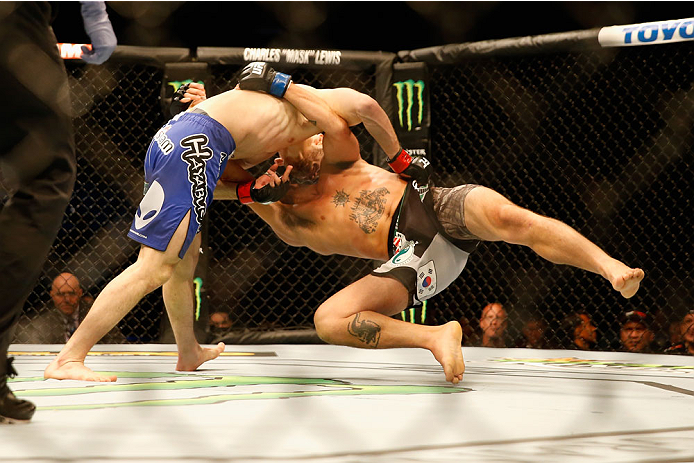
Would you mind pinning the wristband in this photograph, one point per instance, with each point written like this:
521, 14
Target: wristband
401, 161
279, 85
243, 192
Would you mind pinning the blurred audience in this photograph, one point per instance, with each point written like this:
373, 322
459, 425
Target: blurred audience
636, 334
578, 332
220, 325
685, 346
470, 336
674, 335
534, 334
493, 323
55, 322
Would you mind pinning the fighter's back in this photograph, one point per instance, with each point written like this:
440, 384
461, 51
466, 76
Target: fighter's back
260, 124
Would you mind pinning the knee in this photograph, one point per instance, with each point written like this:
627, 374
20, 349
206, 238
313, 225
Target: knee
513, 219
325, 323
155, 277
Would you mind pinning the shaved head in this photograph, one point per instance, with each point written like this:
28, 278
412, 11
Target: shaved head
66, 293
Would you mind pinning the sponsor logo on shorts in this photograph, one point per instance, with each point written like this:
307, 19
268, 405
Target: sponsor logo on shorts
196, 156
222, 158
399, 241
150, 206
410, 97
138, 234
426, 281
405, 255
421, 190
165, 144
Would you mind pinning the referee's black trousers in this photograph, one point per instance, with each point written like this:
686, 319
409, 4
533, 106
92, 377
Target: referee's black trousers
37, 154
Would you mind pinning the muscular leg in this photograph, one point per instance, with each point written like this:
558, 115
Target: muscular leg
492, 217
359, 316
151, 270
178, 299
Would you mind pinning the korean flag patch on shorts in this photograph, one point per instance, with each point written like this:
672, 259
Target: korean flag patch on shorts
426, 281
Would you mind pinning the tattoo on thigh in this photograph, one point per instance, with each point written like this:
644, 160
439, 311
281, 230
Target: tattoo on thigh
365, 330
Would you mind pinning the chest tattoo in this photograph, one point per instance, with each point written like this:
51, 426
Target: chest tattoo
340, 199
368, 209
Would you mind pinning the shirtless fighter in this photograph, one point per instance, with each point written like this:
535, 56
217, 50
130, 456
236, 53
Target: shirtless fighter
182, 167
423, 235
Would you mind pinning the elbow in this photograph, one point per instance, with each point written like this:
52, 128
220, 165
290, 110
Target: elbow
366, 107
338, 127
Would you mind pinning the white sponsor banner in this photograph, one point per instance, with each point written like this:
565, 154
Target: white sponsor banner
293, 56
677, 30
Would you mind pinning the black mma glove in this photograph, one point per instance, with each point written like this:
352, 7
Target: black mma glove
415, 167
176, 105
265, 195
261, 77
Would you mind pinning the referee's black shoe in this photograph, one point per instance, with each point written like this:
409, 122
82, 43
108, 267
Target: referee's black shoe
12, 409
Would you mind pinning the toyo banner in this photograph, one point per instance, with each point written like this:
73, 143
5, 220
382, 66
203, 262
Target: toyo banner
677, 30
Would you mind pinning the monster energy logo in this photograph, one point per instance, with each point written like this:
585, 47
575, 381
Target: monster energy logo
198, 297
176, 84
410, 315
407, 99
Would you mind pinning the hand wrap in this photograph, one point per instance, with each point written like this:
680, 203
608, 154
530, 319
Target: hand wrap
260, 77
415, 167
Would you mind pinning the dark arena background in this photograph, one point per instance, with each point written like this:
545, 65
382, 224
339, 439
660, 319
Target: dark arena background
598, 137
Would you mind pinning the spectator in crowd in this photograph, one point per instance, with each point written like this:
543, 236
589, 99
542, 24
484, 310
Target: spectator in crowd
636, 334
578, 331
220, 325
56, 322
674, 336
493, 323
533, 334
470, 336
686, 344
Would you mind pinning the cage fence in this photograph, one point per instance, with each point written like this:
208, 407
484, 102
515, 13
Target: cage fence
599, 139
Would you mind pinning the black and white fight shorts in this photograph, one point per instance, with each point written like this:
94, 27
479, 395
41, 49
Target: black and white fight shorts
430, 243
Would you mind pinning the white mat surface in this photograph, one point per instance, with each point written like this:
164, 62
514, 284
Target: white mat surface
320, 403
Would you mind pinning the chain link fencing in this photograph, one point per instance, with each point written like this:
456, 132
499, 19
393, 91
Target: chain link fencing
599, 139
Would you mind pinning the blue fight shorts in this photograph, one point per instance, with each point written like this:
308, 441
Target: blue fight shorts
183, 164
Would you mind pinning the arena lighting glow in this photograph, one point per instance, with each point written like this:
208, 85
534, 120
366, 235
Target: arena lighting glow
72, 50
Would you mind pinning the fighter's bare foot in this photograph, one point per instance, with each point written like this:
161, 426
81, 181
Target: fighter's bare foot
448, 352
627, 281
201, 355
76, 370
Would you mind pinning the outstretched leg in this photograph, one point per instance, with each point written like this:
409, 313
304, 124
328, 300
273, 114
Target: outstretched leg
151, 270
179, 303
492, 217
359, 316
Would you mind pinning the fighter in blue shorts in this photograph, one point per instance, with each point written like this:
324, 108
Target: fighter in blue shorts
183, 164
